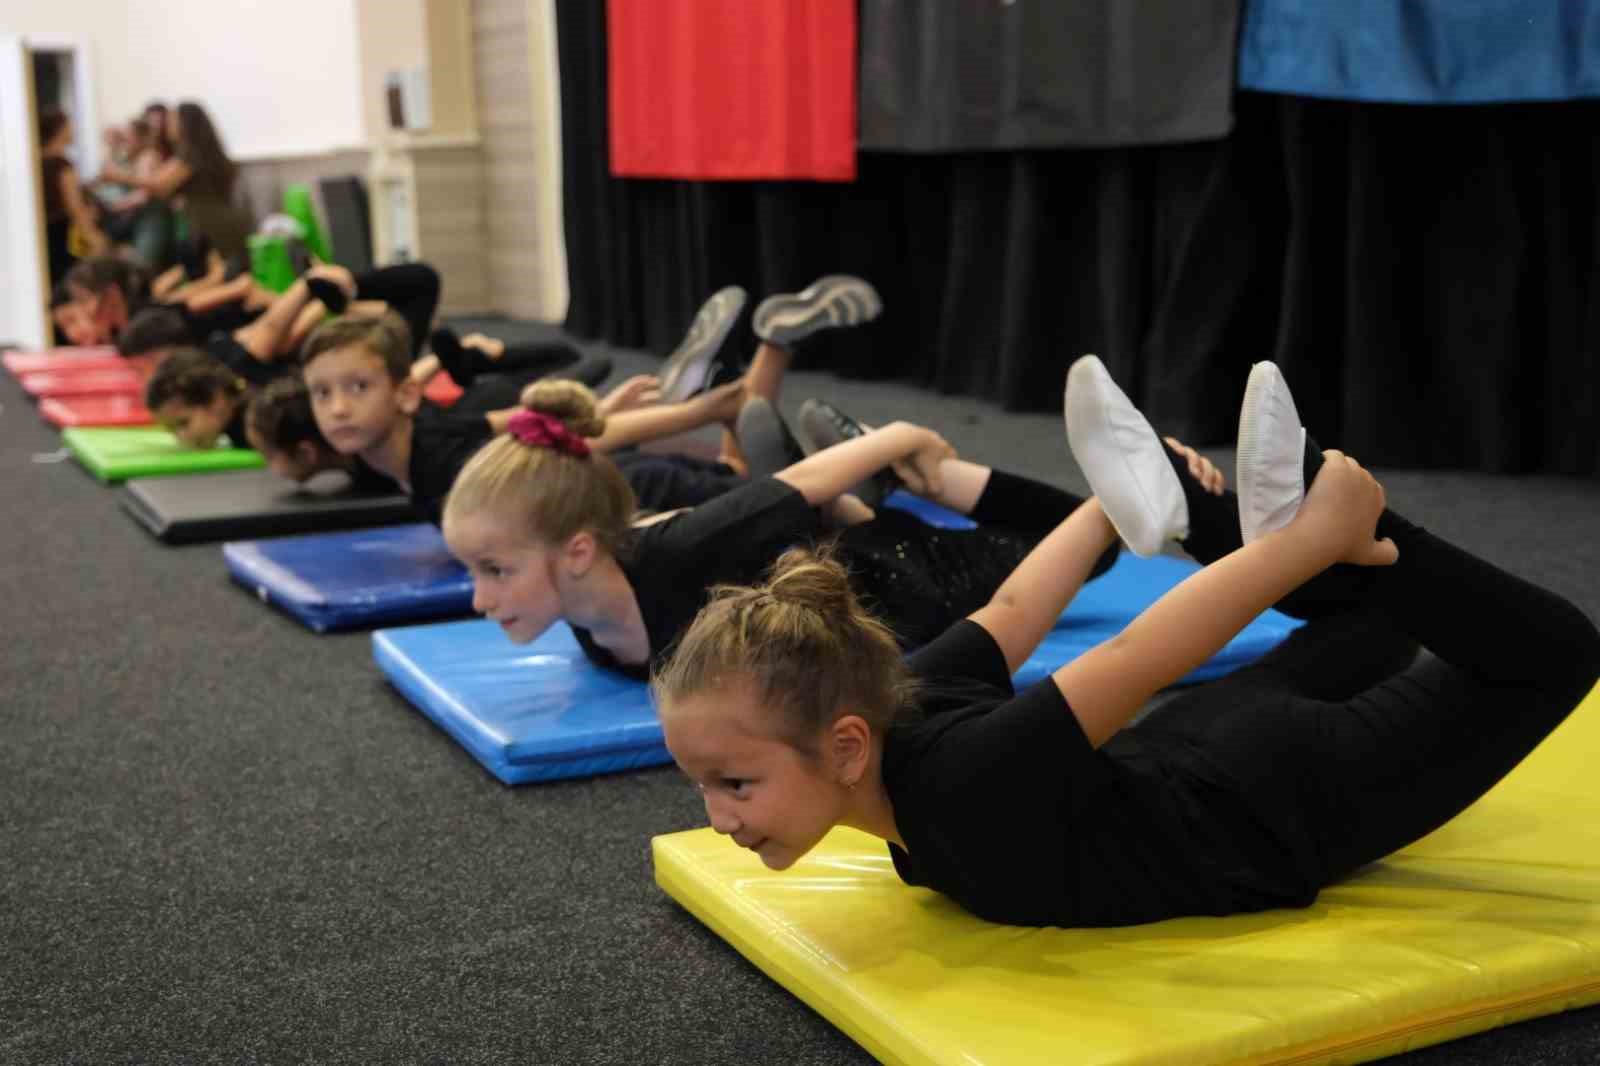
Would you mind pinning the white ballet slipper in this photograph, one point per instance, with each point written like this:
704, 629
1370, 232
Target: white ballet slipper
1125, 461
1271, 456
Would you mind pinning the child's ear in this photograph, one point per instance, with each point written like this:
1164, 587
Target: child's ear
849, 748
580, 552
408, 395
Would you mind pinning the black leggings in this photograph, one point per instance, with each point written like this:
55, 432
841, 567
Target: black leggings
1377, 753
411, 290
923, 580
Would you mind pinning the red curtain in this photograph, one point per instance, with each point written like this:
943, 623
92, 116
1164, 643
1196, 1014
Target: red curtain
734, 89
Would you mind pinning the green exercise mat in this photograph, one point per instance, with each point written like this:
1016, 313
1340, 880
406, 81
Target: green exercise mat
118, 453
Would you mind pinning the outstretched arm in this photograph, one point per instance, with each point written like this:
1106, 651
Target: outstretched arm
1106, 686
1026, 606
831, 472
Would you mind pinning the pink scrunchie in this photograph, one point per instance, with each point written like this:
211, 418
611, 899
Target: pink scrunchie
539, 430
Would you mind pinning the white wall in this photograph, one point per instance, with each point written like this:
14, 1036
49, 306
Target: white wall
279, 77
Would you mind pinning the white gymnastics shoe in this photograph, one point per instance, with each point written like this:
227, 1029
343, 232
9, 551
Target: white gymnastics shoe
1272, 449
1127, 465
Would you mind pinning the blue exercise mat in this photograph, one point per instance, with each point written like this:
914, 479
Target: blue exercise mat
362, 577
530, 712
541, 711
1422, 51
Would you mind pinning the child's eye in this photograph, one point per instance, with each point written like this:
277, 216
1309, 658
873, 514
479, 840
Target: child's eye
735, 784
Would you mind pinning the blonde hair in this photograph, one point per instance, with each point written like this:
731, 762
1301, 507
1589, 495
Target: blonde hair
805, 644
551, 494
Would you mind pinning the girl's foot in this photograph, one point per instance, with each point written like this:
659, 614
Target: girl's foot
1277, 458
1127, 465
688, 368
823, 425
832, 301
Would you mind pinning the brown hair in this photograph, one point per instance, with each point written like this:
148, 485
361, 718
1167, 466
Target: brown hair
193, 378
805, 644
201, 148
385, 335
280, 414
553, 495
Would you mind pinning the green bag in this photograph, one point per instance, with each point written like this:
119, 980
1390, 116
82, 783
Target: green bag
117, 453
297, 205
270, 261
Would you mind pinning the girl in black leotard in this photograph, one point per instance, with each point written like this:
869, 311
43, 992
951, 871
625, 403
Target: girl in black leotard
547, 530
793, 711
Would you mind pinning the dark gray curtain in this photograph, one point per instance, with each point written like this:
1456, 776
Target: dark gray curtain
1426, 276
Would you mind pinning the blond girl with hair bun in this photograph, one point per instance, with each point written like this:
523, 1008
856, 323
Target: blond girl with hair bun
546, 526
793, 712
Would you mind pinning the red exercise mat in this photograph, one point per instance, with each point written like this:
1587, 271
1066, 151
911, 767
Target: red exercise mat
119, 381
102, 410
441, 390
20, 363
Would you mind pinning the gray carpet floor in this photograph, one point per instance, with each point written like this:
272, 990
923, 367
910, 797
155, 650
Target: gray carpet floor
224, 839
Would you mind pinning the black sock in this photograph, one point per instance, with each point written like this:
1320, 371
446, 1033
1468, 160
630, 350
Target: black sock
1213, 520
454, 358
332, 297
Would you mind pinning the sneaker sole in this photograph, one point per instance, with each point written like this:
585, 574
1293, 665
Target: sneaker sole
1264, 382
686, 370
830, 302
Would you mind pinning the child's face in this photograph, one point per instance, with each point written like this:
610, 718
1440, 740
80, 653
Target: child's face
197, 427
75, 323
515, 580
355, 402
758, 789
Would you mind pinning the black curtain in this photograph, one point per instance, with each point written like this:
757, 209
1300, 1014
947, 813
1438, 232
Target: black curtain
1426, 276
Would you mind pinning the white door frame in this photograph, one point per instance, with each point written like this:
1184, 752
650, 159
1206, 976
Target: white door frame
24, 275
85, 104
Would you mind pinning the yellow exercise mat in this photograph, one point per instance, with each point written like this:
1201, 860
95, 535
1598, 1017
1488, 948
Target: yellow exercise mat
1493, 919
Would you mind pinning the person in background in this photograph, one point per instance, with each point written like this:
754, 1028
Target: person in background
71, 229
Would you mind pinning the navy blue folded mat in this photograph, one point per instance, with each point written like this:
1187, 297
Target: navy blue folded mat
541, 711
358, 577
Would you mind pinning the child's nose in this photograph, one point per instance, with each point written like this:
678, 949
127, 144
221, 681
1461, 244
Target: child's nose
721, 818
480, 599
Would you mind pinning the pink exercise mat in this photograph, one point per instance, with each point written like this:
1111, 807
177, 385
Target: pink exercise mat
73, 359
115, 380
101, 410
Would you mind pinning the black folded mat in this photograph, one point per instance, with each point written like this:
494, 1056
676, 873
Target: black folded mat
255, 503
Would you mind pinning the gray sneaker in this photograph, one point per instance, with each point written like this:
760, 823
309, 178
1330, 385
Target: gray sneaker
834, 301
688, 368
822, 425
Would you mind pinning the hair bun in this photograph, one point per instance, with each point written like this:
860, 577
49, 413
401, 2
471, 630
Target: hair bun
813, 580
570, 401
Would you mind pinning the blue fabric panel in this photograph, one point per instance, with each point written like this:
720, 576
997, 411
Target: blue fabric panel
542, 711
361, 577
534, 712
1423, 51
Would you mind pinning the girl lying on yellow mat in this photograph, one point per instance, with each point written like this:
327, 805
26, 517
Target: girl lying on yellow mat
793, 711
